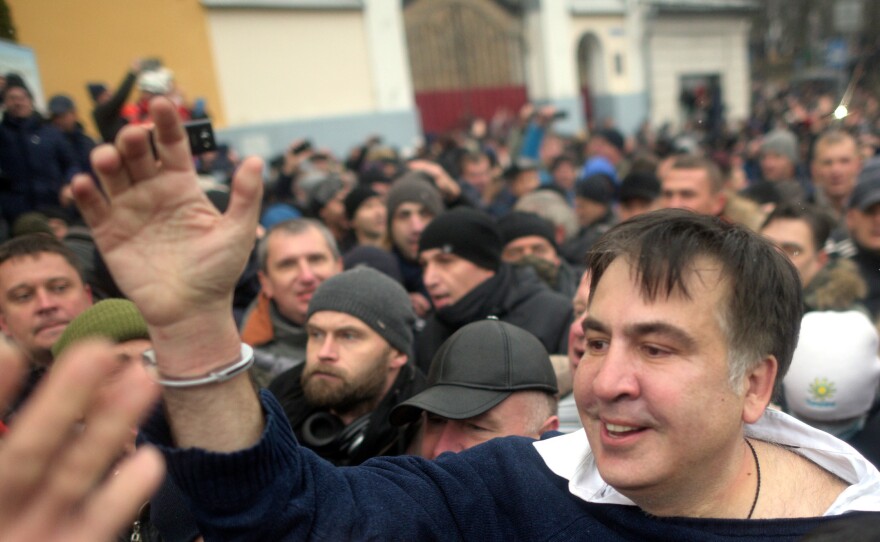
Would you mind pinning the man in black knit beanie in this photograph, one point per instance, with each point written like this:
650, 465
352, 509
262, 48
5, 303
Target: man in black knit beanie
460, 253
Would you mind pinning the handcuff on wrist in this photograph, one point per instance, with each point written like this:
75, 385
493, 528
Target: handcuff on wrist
222, 374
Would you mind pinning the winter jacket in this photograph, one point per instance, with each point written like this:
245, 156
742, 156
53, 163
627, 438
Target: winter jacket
278, 343
514, 295
36, 162
836, 287
108, 115
379, 437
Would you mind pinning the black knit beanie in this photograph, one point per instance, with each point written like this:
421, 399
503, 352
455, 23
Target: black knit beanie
598, 188
467, 233
358, 195
373, 298
518, 224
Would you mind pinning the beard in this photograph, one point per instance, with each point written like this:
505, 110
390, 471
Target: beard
345, 394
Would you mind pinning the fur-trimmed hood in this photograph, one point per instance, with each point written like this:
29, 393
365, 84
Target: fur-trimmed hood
838, 286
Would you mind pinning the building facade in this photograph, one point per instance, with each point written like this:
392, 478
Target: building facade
339, 71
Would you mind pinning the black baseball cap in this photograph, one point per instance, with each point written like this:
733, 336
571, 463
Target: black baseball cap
866, 193
479, 366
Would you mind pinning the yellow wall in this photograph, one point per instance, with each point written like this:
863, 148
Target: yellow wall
77, 41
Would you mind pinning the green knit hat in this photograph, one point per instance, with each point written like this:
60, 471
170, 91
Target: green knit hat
31, 223
118, 320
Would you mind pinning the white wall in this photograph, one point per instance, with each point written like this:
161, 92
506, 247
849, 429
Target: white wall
277, 64
698, 45
611, 31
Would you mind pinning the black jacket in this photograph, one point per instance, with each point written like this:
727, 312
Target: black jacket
36, 162
82, 146
108, 115
575, 249
514, 295
379, 436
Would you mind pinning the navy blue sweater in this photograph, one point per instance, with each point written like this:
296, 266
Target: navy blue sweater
500, 490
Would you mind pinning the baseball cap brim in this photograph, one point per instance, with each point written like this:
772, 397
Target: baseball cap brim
453, 402
870, 199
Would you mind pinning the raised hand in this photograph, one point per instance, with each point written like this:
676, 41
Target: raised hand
167, 247
56, 458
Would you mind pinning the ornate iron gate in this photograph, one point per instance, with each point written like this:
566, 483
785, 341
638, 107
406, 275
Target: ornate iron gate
466, 58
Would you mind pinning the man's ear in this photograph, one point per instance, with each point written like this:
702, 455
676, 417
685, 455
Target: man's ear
551, 424
720, 203
398, 359
559, 235
850, 219
822, 257
758, 383
265, 284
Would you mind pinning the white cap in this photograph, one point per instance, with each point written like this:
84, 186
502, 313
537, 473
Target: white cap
835, 370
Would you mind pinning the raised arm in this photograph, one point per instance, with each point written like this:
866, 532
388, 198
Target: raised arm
177, 259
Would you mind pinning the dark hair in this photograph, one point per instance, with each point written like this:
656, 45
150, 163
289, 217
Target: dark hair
762, 311
473, 157
819, 222
562, 159
33, 244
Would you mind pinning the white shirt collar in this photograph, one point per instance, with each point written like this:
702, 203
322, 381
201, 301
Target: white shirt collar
570, 457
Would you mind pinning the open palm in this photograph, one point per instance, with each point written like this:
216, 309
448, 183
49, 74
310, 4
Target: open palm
167, 247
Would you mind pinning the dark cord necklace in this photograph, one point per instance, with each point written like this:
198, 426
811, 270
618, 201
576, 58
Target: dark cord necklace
758, 489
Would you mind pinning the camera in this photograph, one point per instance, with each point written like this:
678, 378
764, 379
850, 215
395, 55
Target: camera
201, 136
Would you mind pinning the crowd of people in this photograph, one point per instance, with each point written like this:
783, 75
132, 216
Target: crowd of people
675, 332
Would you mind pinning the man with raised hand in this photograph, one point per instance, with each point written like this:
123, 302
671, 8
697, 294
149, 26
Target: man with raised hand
690, 322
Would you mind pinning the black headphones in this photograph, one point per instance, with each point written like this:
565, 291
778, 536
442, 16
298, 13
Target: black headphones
326, 434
